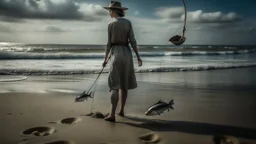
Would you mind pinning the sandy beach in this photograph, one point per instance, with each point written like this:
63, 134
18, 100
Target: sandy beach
207, 104
194, 61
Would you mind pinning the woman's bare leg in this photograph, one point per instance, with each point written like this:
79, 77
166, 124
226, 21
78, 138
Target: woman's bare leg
124, 94
114, 101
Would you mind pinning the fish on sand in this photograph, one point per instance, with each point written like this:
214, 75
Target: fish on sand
83, 97
159, 108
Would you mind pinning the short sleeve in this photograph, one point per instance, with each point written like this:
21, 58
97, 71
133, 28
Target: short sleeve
131, 37
108, 47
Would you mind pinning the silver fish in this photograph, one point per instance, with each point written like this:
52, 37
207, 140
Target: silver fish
83, 97
159, 107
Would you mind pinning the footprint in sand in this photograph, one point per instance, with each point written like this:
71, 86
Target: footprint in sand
115, 143
224, 139
98, 115
150, 137
60, 142
39, 131
68, 121
71, 121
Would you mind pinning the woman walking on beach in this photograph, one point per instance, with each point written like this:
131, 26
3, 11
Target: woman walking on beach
121, 75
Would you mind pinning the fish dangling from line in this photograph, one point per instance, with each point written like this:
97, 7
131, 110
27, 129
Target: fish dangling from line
83, 97
159, 107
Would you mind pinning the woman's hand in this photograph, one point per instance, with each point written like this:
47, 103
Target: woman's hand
104, 63
139, 61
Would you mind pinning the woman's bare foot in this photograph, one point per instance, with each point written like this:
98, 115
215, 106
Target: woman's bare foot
110, 119
121, 114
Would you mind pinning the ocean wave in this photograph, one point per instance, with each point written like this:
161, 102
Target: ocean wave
194, 53
229, 47
62, 55
5, 55
16, 49
141, 70
12, 79
195, 68
195, 47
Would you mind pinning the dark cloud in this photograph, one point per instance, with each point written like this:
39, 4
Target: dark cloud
212, 17
249, 30
210, 27
176, 14
11, 19
33, 3
54, 29
170, 13
5, 29
50, 9
239, 28
252, 30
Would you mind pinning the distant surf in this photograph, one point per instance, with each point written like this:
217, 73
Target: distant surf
12, 78
141, 70
5, 55
58, 59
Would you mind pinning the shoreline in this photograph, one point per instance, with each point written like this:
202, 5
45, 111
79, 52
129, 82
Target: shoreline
163, 69
46, 109
207, 104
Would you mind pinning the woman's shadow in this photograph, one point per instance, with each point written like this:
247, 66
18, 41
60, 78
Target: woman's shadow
190, 127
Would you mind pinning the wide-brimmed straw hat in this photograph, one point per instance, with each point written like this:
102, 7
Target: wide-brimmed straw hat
116, 5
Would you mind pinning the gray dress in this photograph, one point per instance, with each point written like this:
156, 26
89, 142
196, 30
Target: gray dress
121, 74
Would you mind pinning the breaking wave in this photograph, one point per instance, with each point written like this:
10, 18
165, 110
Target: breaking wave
12, 79
142, 70
5, 55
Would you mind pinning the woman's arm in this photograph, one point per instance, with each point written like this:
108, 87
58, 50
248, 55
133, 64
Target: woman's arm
134, 44
108, 46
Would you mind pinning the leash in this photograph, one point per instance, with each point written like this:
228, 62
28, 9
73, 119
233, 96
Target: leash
161, 61
99, 75
97, 82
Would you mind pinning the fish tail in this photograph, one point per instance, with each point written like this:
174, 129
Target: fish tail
170, 104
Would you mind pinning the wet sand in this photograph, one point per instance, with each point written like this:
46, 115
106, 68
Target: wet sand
41, 109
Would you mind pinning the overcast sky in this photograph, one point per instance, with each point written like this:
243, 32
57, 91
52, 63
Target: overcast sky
154, 21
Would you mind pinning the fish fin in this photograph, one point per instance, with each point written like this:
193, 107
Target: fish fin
160, 101
171, 102
168, 109
171, 107
90, 95
152, 105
